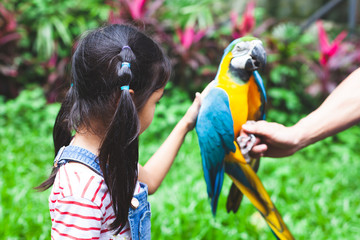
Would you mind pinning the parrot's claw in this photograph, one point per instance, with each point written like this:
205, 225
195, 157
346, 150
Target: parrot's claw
246, 143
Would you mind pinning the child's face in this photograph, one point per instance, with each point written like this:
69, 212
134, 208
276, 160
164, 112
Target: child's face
146, 114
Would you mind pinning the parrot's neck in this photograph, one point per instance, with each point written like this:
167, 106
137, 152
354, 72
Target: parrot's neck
239, 76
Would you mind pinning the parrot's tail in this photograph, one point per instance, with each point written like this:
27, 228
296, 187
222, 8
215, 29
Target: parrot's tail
235, 195
246, 180
234, 199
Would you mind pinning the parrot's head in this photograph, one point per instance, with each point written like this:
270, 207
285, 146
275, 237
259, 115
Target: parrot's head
245, 55
248, 54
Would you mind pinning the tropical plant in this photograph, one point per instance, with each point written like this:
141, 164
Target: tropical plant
48, 29
337, 59
26, 149
248, 21
8, 52
192, 32
286, 70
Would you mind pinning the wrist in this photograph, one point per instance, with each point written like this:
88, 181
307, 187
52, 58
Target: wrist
300, 132
185, 126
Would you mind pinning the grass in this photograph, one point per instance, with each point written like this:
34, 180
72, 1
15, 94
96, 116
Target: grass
315, 190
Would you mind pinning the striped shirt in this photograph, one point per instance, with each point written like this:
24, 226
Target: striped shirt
81, 207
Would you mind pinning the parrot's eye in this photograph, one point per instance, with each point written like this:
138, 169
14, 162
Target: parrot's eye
240, 49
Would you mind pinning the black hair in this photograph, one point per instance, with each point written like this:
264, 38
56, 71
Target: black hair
95, 95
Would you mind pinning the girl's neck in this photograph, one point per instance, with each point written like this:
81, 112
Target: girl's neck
88, 140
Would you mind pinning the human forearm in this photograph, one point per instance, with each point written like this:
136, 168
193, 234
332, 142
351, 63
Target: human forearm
156, 168
338, 112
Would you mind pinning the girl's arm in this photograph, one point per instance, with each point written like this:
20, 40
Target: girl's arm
156, 168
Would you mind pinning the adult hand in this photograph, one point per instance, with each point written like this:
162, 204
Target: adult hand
276, 140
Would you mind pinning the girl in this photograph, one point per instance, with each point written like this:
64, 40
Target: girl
99, 189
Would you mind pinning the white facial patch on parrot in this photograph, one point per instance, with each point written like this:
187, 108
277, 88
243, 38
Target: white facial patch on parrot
242, 52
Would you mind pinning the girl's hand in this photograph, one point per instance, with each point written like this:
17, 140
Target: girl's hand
190, 116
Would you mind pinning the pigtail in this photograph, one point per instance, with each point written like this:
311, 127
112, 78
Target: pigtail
61, 131
61, 137
119, 150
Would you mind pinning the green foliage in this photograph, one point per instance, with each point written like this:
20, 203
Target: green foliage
316, 187
192, 32
289, 73
26, 151
315, 190
57, 23
48, 30
192, 12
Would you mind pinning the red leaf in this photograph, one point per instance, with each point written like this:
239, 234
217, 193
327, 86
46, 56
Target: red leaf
188, 36
136, 8
248, 21
8, 38
9, 18
327, 49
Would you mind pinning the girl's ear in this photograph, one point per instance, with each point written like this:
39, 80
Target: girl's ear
132, 93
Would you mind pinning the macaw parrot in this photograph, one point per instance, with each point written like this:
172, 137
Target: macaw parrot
235, 96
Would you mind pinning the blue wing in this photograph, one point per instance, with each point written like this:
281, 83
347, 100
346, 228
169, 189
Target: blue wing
261, 87
215, 132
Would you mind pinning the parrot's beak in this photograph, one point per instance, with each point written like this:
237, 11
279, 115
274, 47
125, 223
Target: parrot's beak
257, 60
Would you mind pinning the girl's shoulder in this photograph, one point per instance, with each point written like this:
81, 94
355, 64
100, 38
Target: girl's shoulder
79, 181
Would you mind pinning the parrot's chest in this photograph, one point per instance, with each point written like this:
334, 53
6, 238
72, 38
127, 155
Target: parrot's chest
238, 101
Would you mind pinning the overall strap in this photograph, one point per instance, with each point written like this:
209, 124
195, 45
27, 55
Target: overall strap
77, 154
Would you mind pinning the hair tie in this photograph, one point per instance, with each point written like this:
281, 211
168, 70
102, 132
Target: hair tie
125, 64
126, 87
126, 46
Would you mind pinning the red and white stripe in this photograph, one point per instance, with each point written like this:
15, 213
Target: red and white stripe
80, 205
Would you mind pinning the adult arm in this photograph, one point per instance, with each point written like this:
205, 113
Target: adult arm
339, 111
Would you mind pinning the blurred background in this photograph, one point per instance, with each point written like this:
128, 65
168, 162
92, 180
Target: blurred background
312, 46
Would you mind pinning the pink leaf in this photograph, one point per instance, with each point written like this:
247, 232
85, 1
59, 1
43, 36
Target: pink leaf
188, 37
234, 22
52, 61
336, 43
233, 18
136, 8
199, 35
8, 38
248, 21
9, 19
323, 37
327, 49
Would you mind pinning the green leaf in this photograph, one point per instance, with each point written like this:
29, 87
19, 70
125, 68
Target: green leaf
62, 30
44, 43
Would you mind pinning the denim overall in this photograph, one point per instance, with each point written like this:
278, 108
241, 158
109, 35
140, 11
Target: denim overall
139, 214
